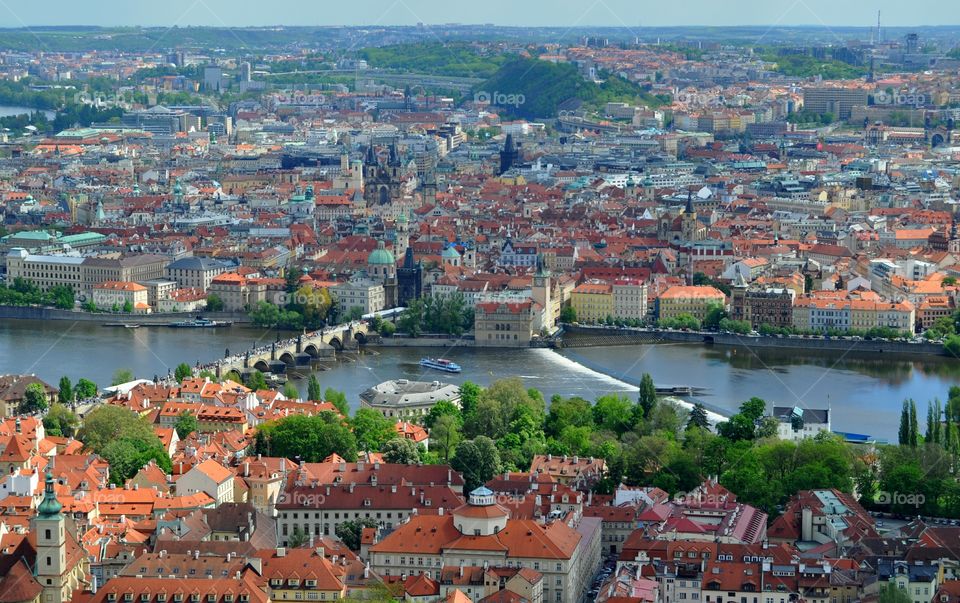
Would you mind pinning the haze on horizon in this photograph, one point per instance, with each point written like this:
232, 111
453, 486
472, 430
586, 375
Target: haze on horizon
563, 13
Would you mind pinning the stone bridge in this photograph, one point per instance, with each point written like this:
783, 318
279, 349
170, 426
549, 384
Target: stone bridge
300, 351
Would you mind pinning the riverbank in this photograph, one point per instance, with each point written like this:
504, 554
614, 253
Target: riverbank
40, 313
581, 336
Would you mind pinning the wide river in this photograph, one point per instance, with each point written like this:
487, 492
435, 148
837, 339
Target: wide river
865, 392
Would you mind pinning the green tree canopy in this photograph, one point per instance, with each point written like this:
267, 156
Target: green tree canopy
400, 450
310, 439
478, 460
372, 429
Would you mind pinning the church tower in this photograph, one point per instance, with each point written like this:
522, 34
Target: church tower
953, 246
689, 223
403, 234
49, 526
541, 294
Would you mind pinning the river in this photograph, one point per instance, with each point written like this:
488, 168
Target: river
10, 110
864, 391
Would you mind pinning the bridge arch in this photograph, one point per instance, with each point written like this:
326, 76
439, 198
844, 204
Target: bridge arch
312, 350
336, 344
288, 358
360, 337
262, 365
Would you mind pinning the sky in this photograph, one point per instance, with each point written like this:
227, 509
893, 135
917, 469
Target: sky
566, 13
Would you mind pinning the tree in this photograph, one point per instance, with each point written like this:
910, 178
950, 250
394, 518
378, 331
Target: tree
124, 439
290, 391
307, 438
86, 389
349, 531
614, 413
715, 313
186, 424
753, 409
891, 593
338, 399
469, 397
60, 421
903, 434
257, 381
648, 394
444, 436
698, 417
314, 392
914, 429
372, 429
568, 314
400, 450
312, 303
214, 303
34, 399
441, 408
127, 307
65, 395
478, 460
297, 538
568, 412
355, 313
122, 376
183, 371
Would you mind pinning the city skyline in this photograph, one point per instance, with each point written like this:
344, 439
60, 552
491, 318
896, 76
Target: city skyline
600, 13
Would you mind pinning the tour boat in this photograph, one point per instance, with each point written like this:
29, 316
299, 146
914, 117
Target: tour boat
440, 364
199, 323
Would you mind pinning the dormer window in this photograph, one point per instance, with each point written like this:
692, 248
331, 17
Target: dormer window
293, 582
178, 597
144, 596
162, 597
194, 597
311, 583
111, 596
128, 597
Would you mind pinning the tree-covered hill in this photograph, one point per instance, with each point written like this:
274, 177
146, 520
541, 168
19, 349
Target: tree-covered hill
541, 88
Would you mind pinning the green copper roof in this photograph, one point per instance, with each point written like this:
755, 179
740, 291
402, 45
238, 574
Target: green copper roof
381, 256
50, 507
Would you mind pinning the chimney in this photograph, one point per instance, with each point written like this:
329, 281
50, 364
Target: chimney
366, 570
449, 476
440, 511
246, 469
321, 552
281, 551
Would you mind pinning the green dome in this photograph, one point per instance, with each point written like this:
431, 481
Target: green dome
381, 256
50, 507
450, 253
